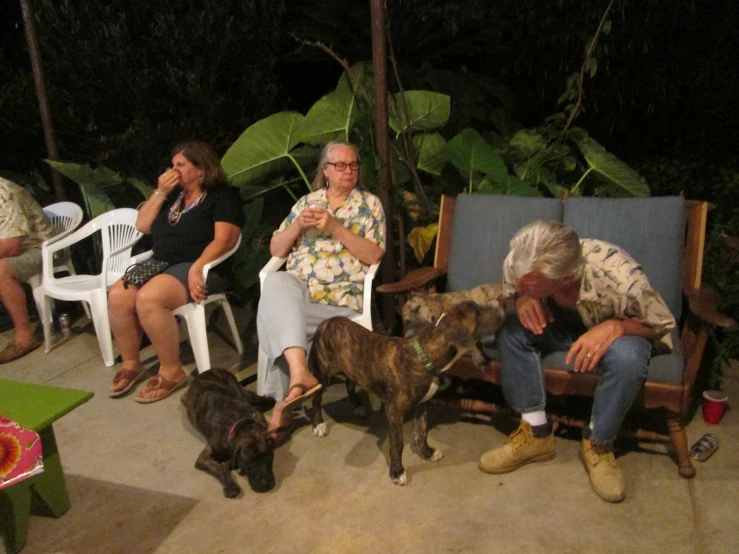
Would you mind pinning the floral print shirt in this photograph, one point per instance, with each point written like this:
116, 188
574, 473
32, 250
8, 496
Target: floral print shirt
21, 216
333, 275
614, 287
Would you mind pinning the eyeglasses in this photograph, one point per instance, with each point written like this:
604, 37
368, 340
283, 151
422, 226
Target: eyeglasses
341, 166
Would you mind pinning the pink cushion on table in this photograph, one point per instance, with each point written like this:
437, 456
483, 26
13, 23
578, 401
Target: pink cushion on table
20, 453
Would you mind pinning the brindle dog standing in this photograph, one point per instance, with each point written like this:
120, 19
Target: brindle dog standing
394, 370
230, 419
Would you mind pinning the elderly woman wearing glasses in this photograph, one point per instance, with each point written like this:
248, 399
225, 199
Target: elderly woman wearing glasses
330, 238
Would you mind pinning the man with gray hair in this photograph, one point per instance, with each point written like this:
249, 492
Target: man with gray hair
23, 227
591, 299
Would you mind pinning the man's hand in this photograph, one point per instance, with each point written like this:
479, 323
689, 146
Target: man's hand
533, 314
593, 344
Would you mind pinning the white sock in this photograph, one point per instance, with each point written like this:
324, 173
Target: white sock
535, 418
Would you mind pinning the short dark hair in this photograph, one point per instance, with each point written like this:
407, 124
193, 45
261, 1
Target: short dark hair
202, 156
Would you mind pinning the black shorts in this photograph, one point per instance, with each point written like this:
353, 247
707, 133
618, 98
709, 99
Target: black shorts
215, 282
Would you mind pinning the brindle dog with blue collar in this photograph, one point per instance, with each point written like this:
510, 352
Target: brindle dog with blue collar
231, 420
402, 372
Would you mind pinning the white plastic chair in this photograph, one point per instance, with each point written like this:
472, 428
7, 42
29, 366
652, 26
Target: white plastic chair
364, 318
66, 217
118, 235
194, 315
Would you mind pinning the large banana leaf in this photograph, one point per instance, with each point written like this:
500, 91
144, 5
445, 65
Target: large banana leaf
512, 186
432, 152
331, 117
79, 173
263, 149
614, 176
91, 182
469, 152
145, 189
426, 111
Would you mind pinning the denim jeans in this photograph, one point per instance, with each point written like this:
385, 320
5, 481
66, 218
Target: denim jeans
623, 369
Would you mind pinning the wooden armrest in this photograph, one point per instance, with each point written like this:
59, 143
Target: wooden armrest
704, 303
413, 279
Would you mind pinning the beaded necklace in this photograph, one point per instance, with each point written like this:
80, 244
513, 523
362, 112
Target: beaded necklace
175, 213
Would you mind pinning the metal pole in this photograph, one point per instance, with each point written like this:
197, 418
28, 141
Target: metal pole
29, 25
382, 138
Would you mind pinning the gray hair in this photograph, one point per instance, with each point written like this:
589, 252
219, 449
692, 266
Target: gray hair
549, 246
319, 181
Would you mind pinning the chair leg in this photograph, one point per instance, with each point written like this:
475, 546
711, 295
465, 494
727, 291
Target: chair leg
198, 333
46, 321
232, 325
261, 370
680, 444
102, 328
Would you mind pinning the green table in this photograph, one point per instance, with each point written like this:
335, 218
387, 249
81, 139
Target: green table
35, 407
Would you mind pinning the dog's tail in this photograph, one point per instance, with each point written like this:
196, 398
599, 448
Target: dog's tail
314, 363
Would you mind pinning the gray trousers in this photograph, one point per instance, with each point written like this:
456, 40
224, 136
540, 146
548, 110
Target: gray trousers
286, 318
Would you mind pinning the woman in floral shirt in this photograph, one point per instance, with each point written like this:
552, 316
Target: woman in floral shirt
330, 238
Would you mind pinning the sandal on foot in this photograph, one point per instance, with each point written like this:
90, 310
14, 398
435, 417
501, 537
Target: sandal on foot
13, 351
132, 376
160, 383
307, 394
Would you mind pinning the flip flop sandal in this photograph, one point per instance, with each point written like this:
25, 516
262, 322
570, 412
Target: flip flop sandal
13, 352
160, 383
133, 378
307, 394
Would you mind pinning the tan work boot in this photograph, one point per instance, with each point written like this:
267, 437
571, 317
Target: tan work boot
605, 476
522, 448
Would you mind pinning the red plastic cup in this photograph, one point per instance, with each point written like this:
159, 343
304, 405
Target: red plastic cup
714, 403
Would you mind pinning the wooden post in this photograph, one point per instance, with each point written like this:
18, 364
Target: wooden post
382, 138
34, 52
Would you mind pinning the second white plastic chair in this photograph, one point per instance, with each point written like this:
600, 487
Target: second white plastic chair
118, 235
364, 318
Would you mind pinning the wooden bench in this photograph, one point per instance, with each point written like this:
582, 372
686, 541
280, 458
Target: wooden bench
35, 407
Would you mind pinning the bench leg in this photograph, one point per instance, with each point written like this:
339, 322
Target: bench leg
680, 443
49, 486
15, 510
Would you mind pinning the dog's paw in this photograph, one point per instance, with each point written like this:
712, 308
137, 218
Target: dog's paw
436, 456
231, 490
320, 430
359, 412
402, 479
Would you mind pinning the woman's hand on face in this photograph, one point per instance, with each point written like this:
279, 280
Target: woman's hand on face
167, 181
198, 290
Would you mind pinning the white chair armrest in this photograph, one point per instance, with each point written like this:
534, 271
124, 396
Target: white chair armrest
210, 265
272, 266
57, 237
138, 258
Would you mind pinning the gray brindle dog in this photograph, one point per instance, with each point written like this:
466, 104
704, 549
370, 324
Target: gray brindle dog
402, 372
231, 420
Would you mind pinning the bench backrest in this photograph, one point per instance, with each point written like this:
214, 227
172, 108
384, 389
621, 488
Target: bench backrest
652, 230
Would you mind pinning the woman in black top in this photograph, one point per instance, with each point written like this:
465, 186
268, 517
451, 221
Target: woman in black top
194, 217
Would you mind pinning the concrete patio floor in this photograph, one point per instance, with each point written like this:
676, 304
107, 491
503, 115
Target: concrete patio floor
133, 487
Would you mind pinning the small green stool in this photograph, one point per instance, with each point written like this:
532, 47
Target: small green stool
35, 407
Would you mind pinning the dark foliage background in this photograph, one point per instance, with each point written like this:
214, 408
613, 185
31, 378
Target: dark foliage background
128, 79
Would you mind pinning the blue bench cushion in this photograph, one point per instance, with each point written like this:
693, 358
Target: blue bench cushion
652, 230
482, 230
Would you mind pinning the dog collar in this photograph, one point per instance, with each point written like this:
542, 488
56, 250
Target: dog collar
232, 430
430, 367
